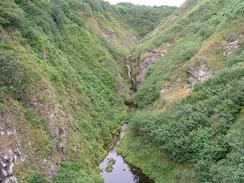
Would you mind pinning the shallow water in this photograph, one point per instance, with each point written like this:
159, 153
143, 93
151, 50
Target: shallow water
122, 172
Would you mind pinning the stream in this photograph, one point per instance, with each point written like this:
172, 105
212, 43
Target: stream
114, 169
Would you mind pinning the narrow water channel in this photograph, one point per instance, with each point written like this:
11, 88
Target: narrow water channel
114, 169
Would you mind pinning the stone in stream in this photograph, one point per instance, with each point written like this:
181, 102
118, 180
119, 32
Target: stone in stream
112, 161
109, 167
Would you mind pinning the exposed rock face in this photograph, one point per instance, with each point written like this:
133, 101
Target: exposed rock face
52, 169
7, 163
128, 70
230, 46
8, 156
147, 62
5, 131
198, 74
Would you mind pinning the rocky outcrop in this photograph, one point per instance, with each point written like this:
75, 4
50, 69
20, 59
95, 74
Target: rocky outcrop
7, 163
147, 62
198, 74
230, 46
6, 167
5, 131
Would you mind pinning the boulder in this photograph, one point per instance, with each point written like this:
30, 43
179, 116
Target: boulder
147, 62
230, 47
198, 74
7, 163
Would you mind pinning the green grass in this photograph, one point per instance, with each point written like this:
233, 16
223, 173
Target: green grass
140, 152
142, 19
198, 128
60, 75
62, 80
195, 129
186, 35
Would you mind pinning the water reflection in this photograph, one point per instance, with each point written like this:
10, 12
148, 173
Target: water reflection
121, 172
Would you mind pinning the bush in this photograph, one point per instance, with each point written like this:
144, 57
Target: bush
11, 74
10, 14
194, 129
73, 172
142, 19
38, 178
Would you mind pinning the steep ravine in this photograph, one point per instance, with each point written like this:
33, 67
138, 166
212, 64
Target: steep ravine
114, 167
67, 84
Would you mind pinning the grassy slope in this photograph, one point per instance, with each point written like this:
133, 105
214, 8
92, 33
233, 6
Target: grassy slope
139, 151
61, 85
191, 36
195, 128
142, 19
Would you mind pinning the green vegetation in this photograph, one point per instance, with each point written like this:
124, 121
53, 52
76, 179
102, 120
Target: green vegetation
61, 80
162, 71
72, 171
186, 35
10, 14
11, 75
197, 132
139, 151
142, 19
194, 129
64, 85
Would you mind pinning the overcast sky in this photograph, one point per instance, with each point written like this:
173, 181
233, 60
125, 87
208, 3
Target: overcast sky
150, 2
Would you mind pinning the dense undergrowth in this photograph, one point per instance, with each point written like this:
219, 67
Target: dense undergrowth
141, 152
61, 86
202, 127
142, 19
197, 129
186, 35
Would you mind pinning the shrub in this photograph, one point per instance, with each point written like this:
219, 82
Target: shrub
10, 14
38, 178
11, 74
194, 129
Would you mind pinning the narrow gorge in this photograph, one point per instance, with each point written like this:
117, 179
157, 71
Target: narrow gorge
92, 92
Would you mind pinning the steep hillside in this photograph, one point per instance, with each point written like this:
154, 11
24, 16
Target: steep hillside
61, 87
189, 76
142, 19
65, 79
190, 38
